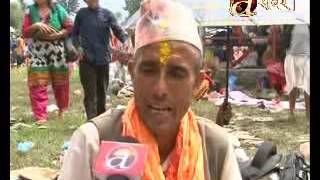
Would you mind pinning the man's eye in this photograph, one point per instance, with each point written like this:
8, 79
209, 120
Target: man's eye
147, 69
178, 74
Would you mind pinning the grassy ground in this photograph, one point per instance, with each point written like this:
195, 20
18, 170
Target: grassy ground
285, 133
48, 142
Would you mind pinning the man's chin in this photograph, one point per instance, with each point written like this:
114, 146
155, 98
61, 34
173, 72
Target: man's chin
160, 126
93, 6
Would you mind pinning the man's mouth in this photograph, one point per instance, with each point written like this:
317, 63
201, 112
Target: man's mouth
159, 109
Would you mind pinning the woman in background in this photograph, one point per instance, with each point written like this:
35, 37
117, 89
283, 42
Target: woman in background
47, 24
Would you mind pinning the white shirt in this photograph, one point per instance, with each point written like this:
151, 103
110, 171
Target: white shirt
300, 40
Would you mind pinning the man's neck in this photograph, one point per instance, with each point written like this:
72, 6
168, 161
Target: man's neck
166, 143
93, 8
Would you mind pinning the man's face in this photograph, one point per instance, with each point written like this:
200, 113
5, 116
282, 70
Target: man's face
163, 92
92, 3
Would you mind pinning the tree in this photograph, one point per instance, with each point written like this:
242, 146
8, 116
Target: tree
71, 6
132, 6
22, 4
16, 16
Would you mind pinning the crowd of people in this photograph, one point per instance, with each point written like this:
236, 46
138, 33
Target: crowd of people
18, 51
47, 27
264, 46
272, 48
166, 71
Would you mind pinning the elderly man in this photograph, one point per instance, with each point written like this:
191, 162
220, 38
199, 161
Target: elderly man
165, 72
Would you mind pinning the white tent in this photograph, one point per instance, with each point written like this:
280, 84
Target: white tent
216, 13
131, 21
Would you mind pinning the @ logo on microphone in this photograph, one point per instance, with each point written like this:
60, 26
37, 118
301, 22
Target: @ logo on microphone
121, 158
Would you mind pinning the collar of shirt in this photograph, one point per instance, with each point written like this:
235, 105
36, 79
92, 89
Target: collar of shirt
95, 9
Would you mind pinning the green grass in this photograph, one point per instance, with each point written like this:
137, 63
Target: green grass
283, 132
48, 141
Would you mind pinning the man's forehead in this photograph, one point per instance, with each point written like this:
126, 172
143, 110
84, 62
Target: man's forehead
175, 59
177, 50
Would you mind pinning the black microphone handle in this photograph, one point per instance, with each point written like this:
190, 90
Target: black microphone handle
117, 177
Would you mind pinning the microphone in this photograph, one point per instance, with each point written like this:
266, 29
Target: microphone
117, 177
122, 158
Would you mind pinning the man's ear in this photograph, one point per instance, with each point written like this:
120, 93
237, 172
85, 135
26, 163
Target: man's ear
131, 65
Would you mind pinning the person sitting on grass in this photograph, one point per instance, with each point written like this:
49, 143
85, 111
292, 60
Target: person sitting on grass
119, 75
206, 84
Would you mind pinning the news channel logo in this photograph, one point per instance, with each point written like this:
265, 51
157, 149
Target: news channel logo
121, 158
246, 8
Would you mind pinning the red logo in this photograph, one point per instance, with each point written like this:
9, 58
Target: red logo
243, 8
120, 158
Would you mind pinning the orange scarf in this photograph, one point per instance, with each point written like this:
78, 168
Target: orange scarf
186, 161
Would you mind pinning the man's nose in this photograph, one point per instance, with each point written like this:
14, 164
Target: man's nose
160, 90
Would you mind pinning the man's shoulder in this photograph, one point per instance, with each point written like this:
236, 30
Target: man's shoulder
87, 129
218, 151
82, 10
211, 125
106, 12
212, 132
108, 124
102, 127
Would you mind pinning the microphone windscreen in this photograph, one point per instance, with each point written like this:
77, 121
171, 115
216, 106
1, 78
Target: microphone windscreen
122, 158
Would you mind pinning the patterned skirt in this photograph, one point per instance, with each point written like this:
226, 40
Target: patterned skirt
48, 63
